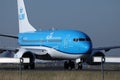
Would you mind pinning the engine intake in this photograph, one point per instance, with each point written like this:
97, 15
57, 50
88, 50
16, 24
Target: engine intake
90, 60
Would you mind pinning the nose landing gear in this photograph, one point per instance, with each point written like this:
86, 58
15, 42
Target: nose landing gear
71, 65
79, 66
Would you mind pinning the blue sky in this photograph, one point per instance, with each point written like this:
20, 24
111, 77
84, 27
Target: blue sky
100, 19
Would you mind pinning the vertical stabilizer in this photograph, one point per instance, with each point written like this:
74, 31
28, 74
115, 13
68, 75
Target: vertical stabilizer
24, 25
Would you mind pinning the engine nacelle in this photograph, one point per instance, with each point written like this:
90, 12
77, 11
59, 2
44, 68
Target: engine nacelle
24, 53
90, 60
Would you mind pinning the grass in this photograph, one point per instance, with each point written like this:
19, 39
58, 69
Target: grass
58, 75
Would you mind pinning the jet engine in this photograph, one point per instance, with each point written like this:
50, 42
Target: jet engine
90, 60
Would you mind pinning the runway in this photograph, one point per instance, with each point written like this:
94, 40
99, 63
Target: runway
59, 67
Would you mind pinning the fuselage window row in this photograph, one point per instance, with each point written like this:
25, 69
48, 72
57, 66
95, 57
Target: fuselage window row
50, 40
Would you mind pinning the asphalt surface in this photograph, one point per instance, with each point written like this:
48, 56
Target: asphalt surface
56, 67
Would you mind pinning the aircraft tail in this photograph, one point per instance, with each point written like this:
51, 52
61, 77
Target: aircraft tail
24, 25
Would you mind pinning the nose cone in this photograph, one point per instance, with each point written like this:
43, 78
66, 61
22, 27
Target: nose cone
85, 47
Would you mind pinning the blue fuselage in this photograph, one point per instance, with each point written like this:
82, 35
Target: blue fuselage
67, 41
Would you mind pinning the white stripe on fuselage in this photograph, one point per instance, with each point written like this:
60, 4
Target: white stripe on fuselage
51, 51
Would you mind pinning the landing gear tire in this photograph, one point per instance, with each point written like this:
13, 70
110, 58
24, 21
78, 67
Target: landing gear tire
32, 65
66, 66
29, 66
80, 66
26, 66
69, 65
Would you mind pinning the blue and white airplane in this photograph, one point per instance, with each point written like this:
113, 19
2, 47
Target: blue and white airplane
70, 45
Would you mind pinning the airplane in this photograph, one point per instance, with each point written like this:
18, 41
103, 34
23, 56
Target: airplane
73, 46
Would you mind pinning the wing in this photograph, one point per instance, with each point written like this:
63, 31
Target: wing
5, 51
10, 36
8, 49
106, 49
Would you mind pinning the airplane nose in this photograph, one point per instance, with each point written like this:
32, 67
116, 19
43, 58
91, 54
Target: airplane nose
85, 47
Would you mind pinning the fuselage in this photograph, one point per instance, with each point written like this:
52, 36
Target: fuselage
63, 43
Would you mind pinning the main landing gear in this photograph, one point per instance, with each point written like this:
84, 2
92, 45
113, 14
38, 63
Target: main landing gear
79, 65
71, 65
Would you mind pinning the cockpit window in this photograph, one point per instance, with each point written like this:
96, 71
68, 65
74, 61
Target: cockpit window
81, 39
76, 39
88, 39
